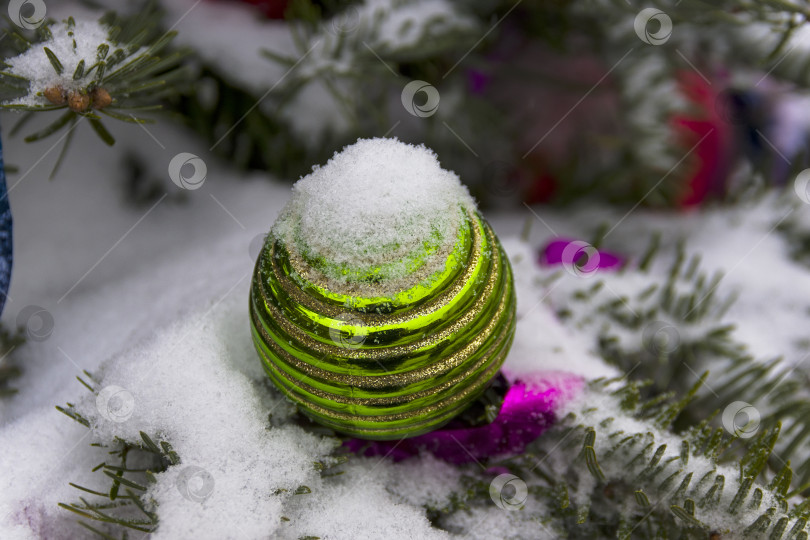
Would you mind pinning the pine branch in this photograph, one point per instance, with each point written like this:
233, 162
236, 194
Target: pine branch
129, 71
669, 332
132, 510
606, 471
9, 368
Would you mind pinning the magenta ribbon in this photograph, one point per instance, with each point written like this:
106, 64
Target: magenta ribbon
527, 411
554, 254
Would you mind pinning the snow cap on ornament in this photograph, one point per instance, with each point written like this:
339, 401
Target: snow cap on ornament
382, 303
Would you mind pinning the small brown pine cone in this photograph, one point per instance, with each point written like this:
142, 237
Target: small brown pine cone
78, 102
101, 98
56, 95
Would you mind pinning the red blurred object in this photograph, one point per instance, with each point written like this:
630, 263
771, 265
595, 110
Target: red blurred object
709, 134
272, 9
542, 189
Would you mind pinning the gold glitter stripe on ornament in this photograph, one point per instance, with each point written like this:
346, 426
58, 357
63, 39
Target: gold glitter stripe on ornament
394, 400
379, 381
477, 383
409, 429
426, 412
357, 289
396, 379
405, 430
459, 297
310, 306
309, 342
327, 387
327, 351
433, 415
316, 348
315, 305
391, 400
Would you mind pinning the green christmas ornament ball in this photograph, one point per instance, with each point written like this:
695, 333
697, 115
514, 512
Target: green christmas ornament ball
382, 303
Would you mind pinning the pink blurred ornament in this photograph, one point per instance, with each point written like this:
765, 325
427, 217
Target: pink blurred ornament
560, 251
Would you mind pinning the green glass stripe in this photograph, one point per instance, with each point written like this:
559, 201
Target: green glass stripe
379, 430
461, 304
278, 268
336, 389
318, 325
414, 260
475, 377
328, 383
400, 364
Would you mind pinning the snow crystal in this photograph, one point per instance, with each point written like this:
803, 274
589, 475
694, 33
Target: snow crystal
359, 504
373, 204
71, 46
487, 522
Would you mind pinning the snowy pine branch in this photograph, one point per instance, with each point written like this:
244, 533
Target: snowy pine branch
115, 67
613, 468
129, 470
666, 333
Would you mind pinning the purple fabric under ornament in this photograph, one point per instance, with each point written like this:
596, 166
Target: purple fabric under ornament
566, 250
527, 411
